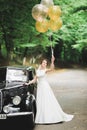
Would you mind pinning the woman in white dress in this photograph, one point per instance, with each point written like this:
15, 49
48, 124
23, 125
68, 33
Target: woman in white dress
48, 109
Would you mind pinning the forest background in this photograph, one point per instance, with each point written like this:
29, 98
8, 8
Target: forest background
19, 39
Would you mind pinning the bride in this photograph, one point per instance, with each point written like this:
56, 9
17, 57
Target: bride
48, 109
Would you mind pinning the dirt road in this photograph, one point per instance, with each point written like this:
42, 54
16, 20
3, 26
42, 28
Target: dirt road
70, 89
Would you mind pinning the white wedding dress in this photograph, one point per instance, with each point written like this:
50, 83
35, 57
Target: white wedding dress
48, 109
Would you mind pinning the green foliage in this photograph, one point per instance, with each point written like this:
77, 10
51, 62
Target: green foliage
17, 29
74, 30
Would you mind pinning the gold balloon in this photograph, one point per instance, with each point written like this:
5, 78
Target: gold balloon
47, 3
39, 12
55, 25
42, 26
54, 12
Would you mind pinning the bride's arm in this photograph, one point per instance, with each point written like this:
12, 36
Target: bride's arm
52, 64
32, 81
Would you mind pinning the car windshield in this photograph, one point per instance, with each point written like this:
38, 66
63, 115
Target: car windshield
18, 75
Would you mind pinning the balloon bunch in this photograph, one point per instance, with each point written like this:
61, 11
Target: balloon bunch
47, 16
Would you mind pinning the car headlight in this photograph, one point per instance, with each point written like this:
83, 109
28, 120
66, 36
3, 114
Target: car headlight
10, 109
6, 109
16, 100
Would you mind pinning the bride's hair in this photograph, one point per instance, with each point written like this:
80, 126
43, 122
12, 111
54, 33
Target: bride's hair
43, 60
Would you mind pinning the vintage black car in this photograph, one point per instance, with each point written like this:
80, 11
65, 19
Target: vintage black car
17, 100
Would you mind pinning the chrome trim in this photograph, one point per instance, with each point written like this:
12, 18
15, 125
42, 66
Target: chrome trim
19, 113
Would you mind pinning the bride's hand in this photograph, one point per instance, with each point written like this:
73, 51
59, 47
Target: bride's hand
26, 83
30, 82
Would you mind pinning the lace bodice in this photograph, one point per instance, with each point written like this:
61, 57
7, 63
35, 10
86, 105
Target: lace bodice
41, 74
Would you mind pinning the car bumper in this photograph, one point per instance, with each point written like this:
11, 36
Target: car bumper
6, 116
15, 120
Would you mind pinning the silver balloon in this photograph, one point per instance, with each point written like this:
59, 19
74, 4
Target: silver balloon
47, 3
39, 12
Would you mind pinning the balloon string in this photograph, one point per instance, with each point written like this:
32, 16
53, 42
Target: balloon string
52, 52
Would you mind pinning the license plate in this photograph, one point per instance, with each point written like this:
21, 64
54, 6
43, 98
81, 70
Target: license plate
3, 116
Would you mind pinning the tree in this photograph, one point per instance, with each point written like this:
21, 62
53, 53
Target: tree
18, 35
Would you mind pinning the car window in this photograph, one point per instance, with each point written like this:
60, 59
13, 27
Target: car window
16, 75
